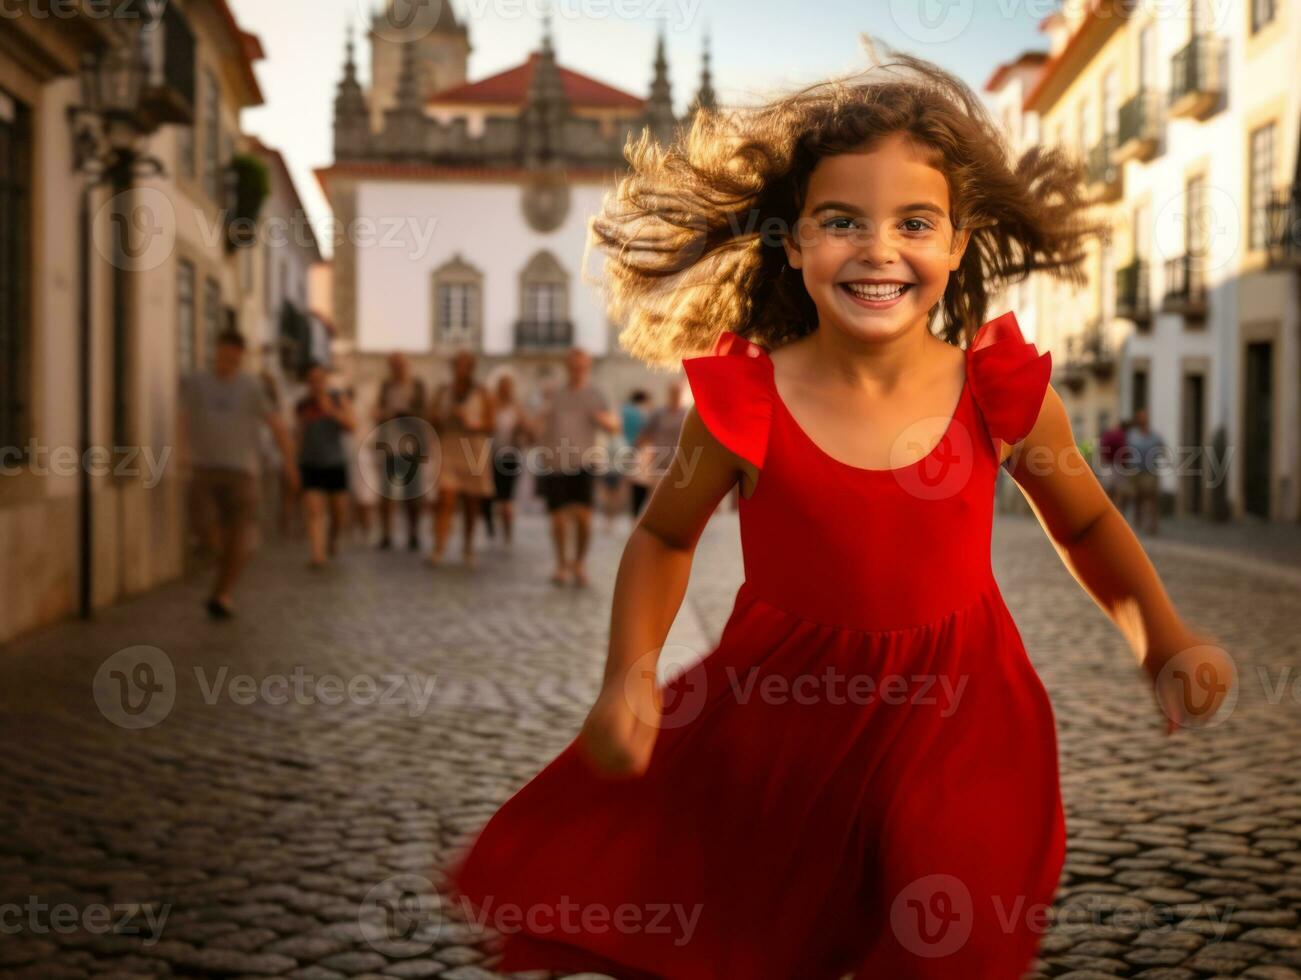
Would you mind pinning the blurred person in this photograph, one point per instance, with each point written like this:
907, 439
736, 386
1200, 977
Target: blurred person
1110, 444
399, 413
1146, 450
324, 416
657, 441
278, 500
223, 411
635, 412
574, 415
462, 415
510, 435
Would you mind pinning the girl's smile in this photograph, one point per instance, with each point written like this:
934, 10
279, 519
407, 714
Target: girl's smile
876, 294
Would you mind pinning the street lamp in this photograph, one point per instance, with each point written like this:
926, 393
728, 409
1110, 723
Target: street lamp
106, 129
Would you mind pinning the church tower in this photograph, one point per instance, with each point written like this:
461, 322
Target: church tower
441, 51
351, 114
659, 106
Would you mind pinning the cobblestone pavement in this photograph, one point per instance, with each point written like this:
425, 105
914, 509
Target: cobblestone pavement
275, 836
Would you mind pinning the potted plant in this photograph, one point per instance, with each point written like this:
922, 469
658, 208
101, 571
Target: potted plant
249, 185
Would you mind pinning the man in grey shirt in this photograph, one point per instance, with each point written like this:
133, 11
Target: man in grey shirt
221, 412
1145, 453
570, 422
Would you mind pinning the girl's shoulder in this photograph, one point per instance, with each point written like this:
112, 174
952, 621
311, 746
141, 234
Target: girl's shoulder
733, 391
1008, 377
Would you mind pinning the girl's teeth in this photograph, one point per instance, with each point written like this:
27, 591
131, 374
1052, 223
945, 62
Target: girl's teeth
876, 292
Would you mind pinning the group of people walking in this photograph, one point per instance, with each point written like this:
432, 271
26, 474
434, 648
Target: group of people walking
456, 450
1130, 457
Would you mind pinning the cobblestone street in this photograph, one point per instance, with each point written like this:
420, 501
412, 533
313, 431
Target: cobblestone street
275, 837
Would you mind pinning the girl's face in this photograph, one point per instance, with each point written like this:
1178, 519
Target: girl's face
874, 239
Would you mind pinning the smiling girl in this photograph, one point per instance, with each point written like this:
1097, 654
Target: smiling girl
861, 777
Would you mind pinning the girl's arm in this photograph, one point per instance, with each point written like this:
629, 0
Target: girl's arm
651, 581
1100, 549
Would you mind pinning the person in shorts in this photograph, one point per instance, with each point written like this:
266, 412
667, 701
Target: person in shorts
222, 413
400, 445
323, 418
574, 415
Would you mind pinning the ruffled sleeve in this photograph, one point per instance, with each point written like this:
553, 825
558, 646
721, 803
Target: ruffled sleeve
732, 388
1008, 378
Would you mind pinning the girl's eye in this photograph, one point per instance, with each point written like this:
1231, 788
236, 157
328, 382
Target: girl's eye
839, 224
925, 226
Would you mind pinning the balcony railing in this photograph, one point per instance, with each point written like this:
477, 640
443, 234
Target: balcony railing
543, 335
1132, 292
1185, 285
1196, 77
1282, 219
1139, 128
1101, 171
167, 45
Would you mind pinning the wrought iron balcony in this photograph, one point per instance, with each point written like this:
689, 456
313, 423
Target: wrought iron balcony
1197, 77
1282, 219
1185, 285
1139, 128
167, 46
543, 335
1101, 170
1133, 292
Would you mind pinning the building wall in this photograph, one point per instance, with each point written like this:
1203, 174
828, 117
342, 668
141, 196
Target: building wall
417, 227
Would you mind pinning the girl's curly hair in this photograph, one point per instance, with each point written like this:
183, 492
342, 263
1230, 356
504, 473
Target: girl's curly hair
693, 234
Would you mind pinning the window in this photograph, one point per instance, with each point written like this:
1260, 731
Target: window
1262, 181
211, 136
15, 269
1262, 13
211, 319
185, 318
458, 304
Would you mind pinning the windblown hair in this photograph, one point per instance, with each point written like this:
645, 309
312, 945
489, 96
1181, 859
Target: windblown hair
693, 234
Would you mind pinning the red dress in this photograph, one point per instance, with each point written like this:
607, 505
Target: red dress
860, 778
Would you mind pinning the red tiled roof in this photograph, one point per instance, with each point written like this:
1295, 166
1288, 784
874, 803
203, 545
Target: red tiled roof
511, 87
1001, 72
249, 48
1098, 11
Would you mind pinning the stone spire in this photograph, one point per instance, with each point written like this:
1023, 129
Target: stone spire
705, 98
547, 106
406, 123
659, 107
351, 113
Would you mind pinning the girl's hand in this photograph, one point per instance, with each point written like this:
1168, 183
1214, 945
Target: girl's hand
1195, 684
620, 730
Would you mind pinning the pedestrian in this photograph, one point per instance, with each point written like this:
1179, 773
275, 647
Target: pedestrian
1145, 457
866, 758
462, 417
635, 412
575, 413
1111, 447
324, 417
657, 441
223, 410
401, 450
510, 433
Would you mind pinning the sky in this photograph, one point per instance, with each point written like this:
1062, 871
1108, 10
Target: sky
759, 47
